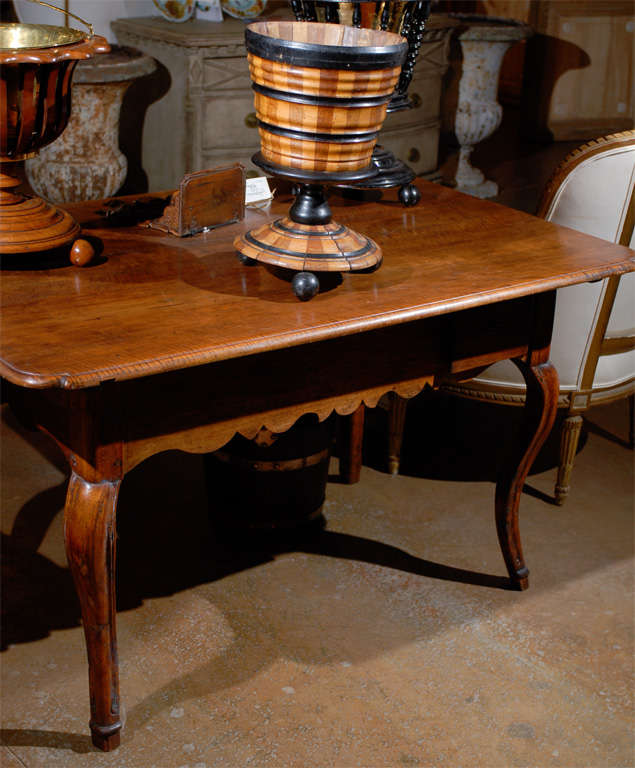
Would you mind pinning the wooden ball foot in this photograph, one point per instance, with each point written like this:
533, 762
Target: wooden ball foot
82, 253
409, 195
305, 285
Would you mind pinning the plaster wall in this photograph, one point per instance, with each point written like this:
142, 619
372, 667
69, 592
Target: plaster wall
98, 12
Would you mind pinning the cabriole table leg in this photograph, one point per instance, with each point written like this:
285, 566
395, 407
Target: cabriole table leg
89, 532
539, 415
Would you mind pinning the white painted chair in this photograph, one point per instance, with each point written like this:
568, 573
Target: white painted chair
593, 345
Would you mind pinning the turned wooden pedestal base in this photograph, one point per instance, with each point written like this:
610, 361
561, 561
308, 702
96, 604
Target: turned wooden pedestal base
323, 247
30, 224
308, 241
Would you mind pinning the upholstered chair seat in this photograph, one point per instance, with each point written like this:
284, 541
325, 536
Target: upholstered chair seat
594, 326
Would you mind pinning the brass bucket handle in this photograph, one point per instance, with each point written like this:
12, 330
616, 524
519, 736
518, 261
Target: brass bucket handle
66, 12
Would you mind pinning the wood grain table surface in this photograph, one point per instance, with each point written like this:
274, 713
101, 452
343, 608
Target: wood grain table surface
158, 303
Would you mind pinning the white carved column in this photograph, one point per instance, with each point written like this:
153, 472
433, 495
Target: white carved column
484, 41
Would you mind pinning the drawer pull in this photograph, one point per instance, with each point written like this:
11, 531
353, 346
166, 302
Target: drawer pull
416, 100
251, 121
413, 155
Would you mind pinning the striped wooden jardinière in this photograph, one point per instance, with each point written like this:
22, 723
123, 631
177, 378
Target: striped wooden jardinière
321, 91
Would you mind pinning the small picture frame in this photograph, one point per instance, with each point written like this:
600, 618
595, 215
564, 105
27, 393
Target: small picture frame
204, 200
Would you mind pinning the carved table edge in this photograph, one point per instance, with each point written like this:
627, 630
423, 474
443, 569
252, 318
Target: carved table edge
289, 339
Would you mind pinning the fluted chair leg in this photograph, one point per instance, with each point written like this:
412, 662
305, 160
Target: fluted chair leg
351, 439
396, 421
569, 439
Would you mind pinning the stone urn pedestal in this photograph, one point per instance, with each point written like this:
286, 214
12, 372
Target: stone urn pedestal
483, 42
85, 162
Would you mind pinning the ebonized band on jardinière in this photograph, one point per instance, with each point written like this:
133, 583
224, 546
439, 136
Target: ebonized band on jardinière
351, 255
320, 101
303, 232
340, 138
286, 172
359, 58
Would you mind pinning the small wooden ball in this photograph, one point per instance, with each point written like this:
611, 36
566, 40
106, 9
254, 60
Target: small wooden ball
82, 253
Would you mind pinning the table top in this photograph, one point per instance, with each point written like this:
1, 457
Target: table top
154, 302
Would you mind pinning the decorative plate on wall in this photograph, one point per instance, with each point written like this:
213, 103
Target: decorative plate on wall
176, 10
244, 9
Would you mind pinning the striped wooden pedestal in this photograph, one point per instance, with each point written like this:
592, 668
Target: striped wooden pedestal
316, 248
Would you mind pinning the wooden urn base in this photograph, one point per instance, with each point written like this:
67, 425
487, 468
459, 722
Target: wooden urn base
30, 224
307, 241
318, 248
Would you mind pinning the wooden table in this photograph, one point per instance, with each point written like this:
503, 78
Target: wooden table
170, 343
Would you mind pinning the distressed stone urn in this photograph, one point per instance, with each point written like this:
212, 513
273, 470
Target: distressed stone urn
483, 41
85, 162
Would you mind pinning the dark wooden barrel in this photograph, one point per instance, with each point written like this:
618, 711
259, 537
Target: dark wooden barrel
321, 91
254, 487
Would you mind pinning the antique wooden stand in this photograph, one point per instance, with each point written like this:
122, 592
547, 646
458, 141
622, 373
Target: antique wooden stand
308, 240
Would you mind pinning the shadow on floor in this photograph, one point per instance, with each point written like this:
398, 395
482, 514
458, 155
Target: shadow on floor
184, 550
455, 439
74, 742
30, 579
166, 545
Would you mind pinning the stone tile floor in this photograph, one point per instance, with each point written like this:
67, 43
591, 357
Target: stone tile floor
385, 640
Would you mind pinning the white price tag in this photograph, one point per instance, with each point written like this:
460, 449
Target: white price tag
257, 190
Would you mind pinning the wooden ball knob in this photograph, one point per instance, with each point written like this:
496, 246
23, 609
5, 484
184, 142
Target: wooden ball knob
82, 253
